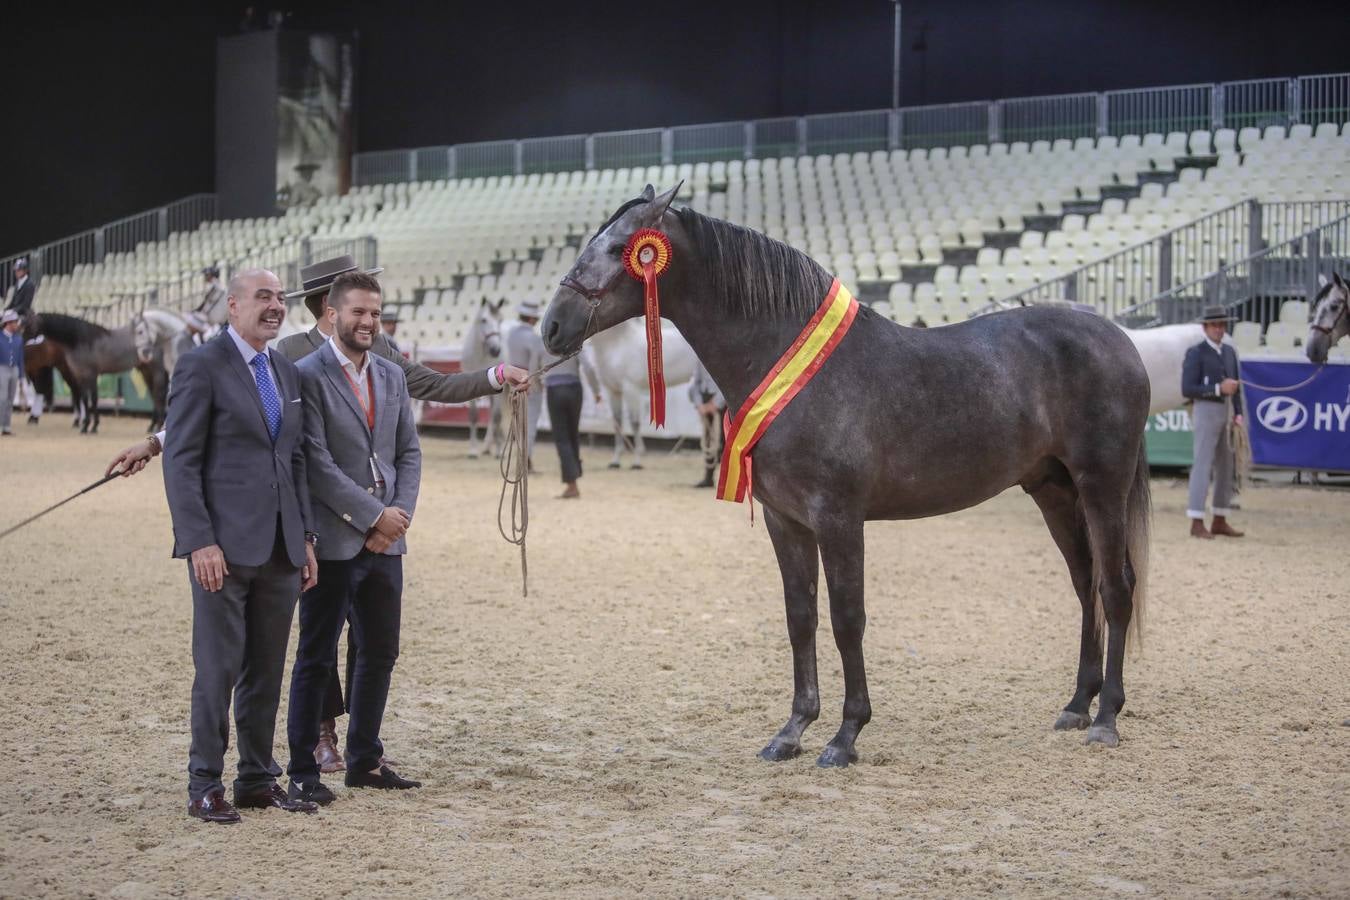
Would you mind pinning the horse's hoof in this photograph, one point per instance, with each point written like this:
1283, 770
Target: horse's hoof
636, 466
777, 752
1106, 735
836, 758
473, 456
615, 466
1072, 721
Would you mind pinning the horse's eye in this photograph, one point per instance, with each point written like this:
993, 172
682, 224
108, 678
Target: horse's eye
616, 251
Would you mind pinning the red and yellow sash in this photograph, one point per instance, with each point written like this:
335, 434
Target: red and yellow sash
798, 365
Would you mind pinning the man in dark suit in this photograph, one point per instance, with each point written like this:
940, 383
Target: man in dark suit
365, 467
235, 477
24, 289
423, 384
1209, 377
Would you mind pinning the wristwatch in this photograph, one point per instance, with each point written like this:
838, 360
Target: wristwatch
156, 448
311, 538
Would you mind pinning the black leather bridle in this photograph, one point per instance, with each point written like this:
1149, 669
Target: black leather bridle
1329, 329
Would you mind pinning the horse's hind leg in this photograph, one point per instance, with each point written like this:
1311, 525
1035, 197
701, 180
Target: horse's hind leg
1104, 504
1058, 502
473, 429
795, 547
616, 412
841, 550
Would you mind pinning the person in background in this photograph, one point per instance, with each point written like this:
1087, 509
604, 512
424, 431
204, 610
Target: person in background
1209, 377
11, 366
25, 293
389, 325
566, 396
707, 399
525, 350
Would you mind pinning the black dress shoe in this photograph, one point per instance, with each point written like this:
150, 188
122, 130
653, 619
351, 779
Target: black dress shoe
214, 808
273, 796
311, 792
386, 779
32, 420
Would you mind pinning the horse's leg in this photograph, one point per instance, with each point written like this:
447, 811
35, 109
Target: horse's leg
638, 446
1058, 502
841, 550
616, 413
473, 429
1104, 504
795, 547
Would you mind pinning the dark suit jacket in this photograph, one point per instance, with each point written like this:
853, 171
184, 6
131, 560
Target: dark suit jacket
1203, 370
423, 383
226, 482
22, 301
340, 446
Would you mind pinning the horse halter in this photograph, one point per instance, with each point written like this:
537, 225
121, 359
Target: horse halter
1329, 329
593, 295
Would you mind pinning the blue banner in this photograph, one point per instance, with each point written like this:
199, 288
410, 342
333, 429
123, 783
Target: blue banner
1298, 415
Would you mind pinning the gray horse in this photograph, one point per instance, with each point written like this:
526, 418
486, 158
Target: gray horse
900, 423
90, 350
1330, 318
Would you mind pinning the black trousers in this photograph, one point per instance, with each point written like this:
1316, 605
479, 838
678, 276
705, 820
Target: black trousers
239, 637
369, 589
335, 703
564, 413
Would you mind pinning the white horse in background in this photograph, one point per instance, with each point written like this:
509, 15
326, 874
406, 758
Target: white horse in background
619, 355
159, 332
1163, 349
481, 350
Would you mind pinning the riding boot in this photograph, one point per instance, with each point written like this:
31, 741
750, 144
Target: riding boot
707, 481
1198, 529
326, 752
1220, 526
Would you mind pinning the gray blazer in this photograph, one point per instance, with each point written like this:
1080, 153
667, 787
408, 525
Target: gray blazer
226, 482
339, 447
423, 383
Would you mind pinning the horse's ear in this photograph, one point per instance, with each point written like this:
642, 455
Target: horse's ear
1340, 282
483, 301
663, 202
649, 193
1322, 280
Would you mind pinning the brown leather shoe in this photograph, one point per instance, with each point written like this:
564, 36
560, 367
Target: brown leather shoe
273, 797
325, 752
1198, 530
214, 808
1220, 526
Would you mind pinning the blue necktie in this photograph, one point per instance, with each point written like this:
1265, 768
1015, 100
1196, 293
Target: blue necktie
267, 392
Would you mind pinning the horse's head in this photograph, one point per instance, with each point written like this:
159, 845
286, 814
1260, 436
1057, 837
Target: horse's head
488, 323
1330, 318
597, 293
144, 338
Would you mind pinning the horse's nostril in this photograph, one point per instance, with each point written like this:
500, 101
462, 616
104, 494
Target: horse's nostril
552, 330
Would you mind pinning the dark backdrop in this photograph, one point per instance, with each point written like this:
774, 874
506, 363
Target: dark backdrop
113, 112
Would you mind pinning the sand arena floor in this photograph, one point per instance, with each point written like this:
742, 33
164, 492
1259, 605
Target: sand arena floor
599, 738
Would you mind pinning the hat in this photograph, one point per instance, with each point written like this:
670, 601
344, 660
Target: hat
528, 308
21, 263
316, 279
389, 315
211, 271
1217, 313
308, 167
9, 316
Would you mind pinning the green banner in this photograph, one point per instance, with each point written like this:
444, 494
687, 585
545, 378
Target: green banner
130, 386
1168, 438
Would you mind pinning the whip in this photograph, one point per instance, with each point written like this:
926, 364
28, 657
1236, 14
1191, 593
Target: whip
28, 521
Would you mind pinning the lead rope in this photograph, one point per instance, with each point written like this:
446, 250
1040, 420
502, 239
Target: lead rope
515, 465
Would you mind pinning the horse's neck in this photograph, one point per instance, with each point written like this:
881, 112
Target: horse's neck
116, 350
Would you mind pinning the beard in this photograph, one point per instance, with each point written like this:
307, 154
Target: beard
355, 337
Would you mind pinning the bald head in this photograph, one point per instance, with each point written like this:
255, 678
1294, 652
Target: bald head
257, 306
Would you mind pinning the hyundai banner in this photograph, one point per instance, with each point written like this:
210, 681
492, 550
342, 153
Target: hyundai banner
1298, 415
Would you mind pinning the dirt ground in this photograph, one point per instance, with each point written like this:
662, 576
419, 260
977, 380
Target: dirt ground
599, 738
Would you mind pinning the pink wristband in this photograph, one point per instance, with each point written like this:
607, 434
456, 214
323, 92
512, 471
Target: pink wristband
501, 375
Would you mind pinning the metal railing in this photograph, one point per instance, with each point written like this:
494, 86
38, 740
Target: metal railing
185, 292
123, 235
1182, 255
1311, 99
1255, 287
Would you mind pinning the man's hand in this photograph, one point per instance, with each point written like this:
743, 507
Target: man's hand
131, 460
516, 378
1237, 420
309, 572
393, 523
208, 567
376, 542
1228, 387
707, 409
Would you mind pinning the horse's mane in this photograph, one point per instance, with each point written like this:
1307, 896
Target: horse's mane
69, 330
636, 201
751, 275
1322, 294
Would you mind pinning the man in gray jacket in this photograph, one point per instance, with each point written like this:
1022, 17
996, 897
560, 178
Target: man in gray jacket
236, 478
365, 466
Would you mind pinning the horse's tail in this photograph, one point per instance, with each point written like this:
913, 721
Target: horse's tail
1138, 523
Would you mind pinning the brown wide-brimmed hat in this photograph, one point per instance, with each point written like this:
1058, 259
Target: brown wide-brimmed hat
1217, 313
319, 277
